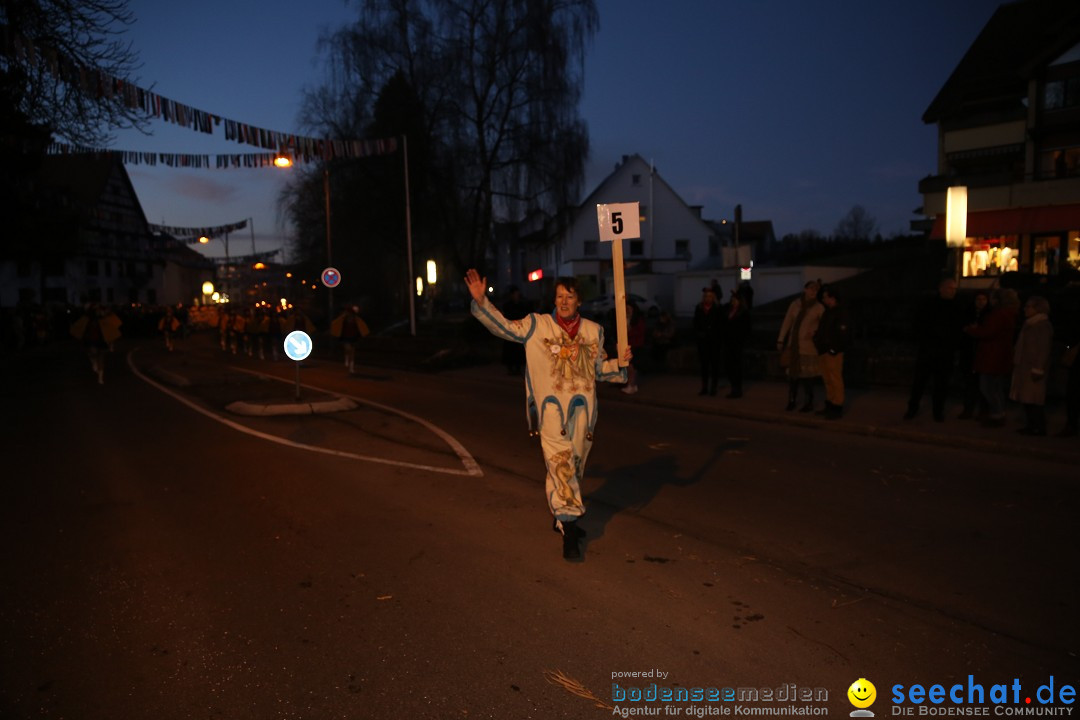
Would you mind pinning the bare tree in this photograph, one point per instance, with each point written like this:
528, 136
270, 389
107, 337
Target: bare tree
497, 83
52, 51
856, 225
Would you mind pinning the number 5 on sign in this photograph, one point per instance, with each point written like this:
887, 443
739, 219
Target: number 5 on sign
618, 221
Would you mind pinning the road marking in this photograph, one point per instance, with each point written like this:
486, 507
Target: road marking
471, 467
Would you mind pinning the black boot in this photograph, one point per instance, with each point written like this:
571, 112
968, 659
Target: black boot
826, 410
808, 406
571, 540
792, 396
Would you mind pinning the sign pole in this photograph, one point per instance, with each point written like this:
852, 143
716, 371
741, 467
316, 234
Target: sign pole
620, 300
297, 382
618, 221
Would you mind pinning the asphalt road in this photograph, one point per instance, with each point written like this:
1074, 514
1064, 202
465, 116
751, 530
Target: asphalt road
159, 563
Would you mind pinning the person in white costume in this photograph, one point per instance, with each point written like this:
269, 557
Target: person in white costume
564, 358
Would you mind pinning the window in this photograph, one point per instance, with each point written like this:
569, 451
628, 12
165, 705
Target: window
682, 248
714, 246
637, 247
643, 214
590, 248
991, 256
1061, 94
91, 267
108, 268
109, 295
635, 180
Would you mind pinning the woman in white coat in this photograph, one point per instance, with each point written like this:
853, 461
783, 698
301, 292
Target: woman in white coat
1031, 364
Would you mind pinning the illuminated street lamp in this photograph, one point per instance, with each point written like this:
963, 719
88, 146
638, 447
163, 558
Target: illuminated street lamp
956, 203
208, 288
431, 274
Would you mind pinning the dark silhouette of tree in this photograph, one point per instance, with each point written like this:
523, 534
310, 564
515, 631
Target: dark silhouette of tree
856, 225
50, 49
491, 88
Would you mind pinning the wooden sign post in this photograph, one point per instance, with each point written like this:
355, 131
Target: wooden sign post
618, 221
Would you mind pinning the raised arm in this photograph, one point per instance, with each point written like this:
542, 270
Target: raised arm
490, 317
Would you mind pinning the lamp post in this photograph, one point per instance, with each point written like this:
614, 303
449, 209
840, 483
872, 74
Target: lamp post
956, 203
329, 257
225, 285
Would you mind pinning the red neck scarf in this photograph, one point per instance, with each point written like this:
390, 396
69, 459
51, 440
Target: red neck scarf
570, 327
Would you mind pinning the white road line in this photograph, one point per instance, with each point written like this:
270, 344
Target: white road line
471, 467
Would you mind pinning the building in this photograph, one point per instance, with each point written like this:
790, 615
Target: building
91, 243
1008, 123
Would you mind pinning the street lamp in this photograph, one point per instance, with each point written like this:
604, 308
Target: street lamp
204, 240
956, 203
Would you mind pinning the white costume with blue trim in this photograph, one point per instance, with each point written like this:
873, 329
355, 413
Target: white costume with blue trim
560, 394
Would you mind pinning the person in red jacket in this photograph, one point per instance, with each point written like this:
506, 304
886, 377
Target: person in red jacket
994, 351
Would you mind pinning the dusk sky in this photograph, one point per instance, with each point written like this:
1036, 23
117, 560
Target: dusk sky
796, 110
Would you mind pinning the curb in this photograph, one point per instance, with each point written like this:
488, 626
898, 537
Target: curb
242, 407
852, 428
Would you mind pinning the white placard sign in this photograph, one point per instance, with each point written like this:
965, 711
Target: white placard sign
618, 221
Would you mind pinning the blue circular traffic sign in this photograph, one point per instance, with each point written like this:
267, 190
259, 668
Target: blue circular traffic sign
331, 278
297, 345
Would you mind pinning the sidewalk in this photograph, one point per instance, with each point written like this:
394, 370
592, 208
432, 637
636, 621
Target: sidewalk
876, 412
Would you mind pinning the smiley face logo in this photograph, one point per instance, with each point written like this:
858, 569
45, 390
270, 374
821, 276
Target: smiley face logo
862, 693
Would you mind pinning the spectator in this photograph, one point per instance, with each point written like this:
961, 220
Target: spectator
938, 327
635, 338
796, 341
734, 333
831, 340
707, 323
973, 399
1031, 364
663, 339
513, 353
993, 352
1072, 388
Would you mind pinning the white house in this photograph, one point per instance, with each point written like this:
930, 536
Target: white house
673, 236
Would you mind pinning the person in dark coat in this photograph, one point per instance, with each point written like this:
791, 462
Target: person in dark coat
831, 340
734, 333
973, 399
938, 326
514, 308
708, 318
1071, 360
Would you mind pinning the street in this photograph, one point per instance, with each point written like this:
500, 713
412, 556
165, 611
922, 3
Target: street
161, 563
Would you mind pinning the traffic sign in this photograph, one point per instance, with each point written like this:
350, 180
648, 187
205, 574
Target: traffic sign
331, 278
297, 345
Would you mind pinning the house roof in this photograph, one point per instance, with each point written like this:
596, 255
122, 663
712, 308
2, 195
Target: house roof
1019, 39
84, 177
588, 205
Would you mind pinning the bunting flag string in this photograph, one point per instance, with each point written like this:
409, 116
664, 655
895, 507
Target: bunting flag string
192, 234
180, 160
97, 83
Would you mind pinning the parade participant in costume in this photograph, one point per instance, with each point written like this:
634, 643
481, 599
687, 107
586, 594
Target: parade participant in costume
97, 329
564, 358
348, 328
168, 325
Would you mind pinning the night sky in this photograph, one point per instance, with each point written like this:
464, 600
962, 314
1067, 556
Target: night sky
796, 110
